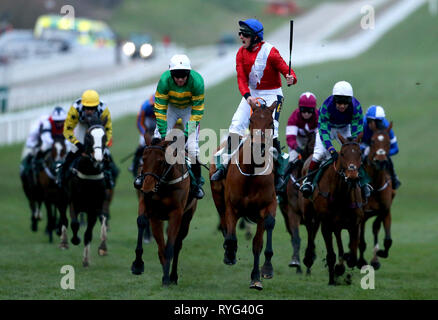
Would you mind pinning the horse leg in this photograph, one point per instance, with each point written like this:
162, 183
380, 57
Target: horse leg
376, 228
388, 241
74, 225
310, 256
331, 256
257, 245
103, 250
183, 231
88, 236
267, 269
51, 219
296, 242
147, 232
230, 243
172, 233
63, 222
362, 246
339, 267
137, 266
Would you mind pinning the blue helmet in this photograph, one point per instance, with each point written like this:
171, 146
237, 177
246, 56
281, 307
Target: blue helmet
254, 25
375, 112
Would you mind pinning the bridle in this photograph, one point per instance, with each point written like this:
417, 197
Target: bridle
160, 180
341, 171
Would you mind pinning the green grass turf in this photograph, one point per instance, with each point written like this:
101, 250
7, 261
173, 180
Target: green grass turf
388, 75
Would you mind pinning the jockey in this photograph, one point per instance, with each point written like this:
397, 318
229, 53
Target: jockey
302, 121
75, 127
180, 94
259, 67
341, 112
376, 114
146, 122
41, 137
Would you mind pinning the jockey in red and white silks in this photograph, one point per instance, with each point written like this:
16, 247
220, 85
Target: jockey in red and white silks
258, 75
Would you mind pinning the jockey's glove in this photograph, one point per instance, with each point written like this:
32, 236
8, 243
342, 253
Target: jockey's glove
334, 154
81, 147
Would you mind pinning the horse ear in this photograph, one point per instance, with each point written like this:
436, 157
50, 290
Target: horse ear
147, 138
389, 127
341, 138
253, 106
273, 106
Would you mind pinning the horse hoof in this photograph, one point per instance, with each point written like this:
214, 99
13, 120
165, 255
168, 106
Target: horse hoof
76, 240
85, 264
102, 252
63, 246
256, 285
382, 253
299, 271
137, 268
348, 279
267, 272
229, 261
308, 272
339, 269
294, 263
375, 265
361, 262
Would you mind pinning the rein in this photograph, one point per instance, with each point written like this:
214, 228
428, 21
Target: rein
161, 179
253, 174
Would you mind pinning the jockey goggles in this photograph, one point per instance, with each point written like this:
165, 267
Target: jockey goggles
342, 99
180, 73
245, 34
306, 109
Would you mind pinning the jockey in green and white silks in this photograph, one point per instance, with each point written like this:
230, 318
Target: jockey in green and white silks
180, 95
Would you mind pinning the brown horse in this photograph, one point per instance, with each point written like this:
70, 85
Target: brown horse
380, 201
291, 207
54, 197
165, 196
337, 204
248, 191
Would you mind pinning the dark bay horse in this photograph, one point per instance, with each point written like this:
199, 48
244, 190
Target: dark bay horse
54, 197
165, 196
380, 201
291, 207
248, 191
337, 204
88, 189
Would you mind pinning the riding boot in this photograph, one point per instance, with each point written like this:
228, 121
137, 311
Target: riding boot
395, 181
279, 164
221, 163
364, 181
198, 193
307, 186
136, 161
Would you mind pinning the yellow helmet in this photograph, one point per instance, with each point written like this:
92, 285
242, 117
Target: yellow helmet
90, 98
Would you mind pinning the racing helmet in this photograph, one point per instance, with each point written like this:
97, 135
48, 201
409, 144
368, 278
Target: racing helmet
90, 98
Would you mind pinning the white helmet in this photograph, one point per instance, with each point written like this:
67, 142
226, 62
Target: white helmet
180, 62
59, 114
343, 88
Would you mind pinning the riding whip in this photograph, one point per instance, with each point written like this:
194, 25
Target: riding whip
291, 34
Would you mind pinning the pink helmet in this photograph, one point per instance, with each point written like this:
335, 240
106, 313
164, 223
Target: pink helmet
307, 99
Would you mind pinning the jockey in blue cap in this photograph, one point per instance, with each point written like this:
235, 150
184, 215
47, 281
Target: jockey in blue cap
376, 114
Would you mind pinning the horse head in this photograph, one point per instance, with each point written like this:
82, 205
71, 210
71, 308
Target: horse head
95, 138
380, 145
59, 149
349, 160
261, 123
155, 164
